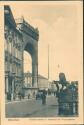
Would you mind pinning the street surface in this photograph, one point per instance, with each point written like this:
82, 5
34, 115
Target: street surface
32, 108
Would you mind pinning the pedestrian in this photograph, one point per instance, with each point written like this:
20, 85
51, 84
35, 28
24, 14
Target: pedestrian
44, 97
54, 93
34, 94
20, 97
28, 96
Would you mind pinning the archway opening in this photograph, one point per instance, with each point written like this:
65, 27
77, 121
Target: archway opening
27, 62
33, 51
27, 69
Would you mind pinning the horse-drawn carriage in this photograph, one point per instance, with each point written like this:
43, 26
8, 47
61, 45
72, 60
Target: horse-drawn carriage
67, 96
68, 101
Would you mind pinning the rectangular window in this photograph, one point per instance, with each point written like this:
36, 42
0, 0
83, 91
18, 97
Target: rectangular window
6, 66
19, 55
10, 67
25, 79
5, 44
10, 47
15, 69
16, 51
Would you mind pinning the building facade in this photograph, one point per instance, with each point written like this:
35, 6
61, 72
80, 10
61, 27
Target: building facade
18, 36
13, 56
28, 79
43, 82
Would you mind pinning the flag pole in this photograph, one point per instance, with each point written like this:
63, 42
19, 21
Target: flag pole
48, 61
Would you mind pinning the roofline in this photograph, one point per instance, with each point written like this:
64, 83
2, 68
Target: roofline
39, 76
9, 16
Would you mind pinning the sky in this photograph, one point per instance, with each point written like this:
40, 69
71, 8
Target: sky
60, 27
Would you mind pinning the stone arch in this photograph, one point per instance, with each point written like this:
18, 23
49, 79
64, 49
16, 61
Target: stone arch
30, 44
33, 53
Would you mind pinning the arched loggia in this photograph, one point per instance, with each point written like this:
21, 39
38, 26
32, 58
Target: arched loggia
30, 44
32, 50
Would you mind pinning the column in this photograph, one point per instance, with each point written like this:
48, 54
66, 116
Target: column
34, 75
12, 94
6, 86
34, 70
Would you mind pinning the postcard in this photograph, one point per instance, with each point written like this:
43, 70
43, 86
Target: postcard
41, 62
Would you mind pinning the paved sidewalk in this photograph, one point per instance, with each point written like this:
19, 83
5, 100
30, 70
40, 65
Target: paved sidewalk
17, 101
28, 107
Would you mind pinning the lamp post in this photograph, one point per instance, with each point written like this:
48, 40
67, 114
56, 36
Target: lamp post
48, 61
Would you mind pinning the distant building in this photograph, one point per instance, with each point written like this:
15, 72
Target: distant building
28, 79
43, 82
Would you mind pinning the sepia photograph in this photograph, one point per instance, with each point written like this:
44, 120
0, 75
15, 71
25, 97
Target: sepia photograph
43, 60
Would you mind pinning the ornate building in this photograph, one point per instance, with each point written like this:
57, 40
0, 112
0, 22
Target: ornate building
13, 56
19, 36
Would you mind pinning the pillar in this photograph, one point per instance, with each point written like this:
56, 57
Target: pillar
34, 70
12, 92
34, 75
6, 86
